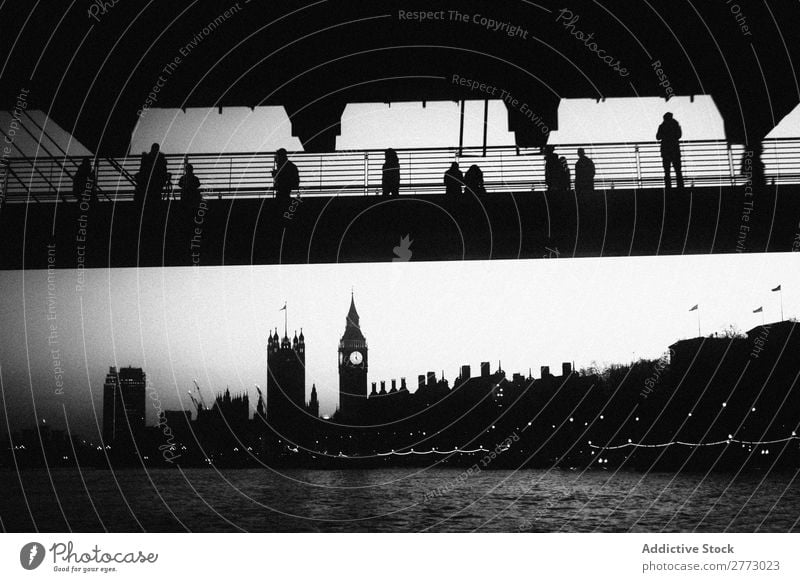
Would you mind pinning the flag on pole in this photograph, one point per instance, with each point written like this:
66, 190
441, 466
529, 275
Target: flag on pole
778, 288
759, 310
285, 319
694, 308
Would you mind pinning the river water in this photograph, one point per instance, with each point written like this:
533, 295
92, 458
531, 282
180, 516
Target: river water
396, 500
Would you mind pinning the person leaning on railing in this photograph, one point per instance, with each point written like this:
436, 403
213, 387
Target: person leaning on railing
453, 180
84, 178
584, 173
390, 176
473, 181
152, 176
669, 134
189, 185
285, 176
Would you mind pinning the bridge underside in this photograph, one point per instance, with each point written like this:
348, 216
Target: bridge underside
351, 229
94, 75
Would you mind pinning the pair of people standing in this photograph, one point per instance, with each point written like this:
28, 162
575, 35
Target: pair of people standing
557, 175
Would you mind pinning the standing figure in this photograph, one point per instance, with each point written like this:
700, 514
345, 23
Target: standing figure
453, 180
552, 168
84, 178
564, 179
669, 134
285, 176
152, 176
584, 173
473, 181
189, 184
390, 178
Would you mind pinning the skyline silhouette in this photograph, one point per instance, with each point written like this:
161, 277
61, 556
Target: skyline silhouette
212, 324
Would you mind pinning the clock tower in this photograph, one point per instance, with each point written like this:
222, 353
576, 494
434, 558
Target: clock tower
352, 367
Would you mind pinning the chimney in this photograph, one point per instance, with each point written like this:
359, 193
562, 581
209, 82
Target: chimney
374, 391
431, 378
545, 371
394, 385
403, 384
383, 387
566, 369
485, 373
465, 373
420, 381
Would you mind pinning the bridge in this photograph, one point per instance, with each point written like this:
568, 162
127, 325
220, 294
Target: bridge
93, 77
506, 169
337, 216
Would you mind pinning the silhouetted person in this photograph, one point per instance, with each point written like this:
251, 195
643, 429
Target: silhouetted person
564, 182
584, 173
84, 178
285, 176
189, 184
669, 134
752, 166
552, 168
453, 180
473, 181
390, 178
152, 176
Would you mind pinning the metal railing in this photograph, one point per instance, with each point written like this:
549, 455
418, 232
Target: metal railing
505, 169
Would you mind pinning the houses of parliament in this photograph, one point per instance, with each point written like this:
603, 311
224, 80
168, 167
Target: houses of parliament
286, 376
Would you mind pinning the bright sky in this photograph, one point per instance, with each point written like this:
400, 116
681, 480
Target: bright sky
412, 125
399, 125
206, 130
212, 323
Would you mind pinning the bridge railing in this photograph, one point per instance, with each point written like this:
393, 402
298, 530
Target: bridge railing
505, 169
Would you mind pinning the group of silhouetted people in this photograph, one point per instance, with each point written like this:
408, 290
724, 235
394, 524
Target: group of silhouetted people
153, 181
471, 183
557, 176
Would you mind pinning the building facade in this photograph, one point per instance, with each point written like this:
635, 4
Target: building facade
286, 378
123, 404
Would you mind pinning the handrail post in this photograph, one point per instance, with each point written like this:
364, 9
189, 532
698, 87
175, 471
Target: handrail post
638, 168
6, 166
730, 164
366, 173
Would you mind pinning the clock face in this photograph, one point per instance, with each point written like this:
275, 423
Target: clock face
356, 358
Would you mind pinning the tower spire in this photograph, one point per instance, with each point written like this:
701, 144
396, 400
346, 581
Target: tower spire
352, 314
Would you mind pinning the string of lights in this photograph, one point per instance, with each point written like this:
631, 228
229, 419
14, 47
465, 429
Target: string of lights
728, 441
413, 452
434, 452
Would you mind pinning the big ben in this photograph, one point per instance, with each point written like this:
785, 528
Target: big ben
352, 367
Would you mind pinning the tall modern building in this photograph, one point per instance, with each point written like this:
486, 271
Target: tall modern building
352, 367
286, 378
123, 404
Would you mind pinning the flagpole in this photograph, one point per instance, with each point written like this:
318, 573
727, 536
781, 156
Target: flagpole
781, 294
699, 333
285, 321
